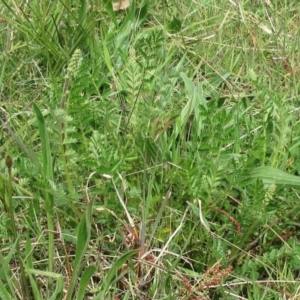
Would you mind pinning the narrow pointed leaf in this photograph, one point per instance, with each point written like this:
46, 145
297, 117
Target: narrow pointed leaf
85, 279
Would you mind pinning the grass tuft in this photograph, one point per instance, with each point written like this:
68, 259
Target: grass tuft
149, 150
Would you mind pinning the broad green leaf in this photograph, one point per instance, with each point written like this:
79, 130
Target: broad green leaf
271, 175
57, 295
5, 295
191, 103
174, 26
46, 151
84, 281
48, 176
142, 14
84, 234
189, 85
215, 82
195, 102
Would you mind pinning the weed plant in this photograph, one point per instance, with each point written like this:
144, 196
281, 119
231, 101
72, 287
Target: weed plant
149, 151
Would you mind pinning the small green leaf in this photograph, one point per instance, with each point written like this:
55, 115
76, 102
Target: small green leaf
174, 26
221, 101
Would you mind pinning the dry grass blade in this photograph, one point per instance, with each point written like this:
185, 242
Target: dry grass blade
163, 250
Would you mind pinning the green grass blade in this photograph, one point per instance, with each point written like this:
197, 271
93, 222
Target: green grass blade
83, 239
85, 279
83, 236
271, 175
3, 194
16, 138
195, 99
160, 213
113, 273
58, 292
5, 271
5, 295
46, 150
109, 9
29, 265
48, 178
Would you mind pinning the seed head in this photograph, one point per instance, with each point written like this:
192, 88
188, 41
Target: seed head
8, 162
75, 62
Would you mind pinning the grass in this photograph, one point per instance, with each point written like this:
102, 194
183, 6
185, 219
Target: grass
150, 152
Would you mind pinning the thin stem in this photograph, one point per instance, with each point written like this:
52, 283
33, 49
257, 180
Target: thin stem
64, 97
